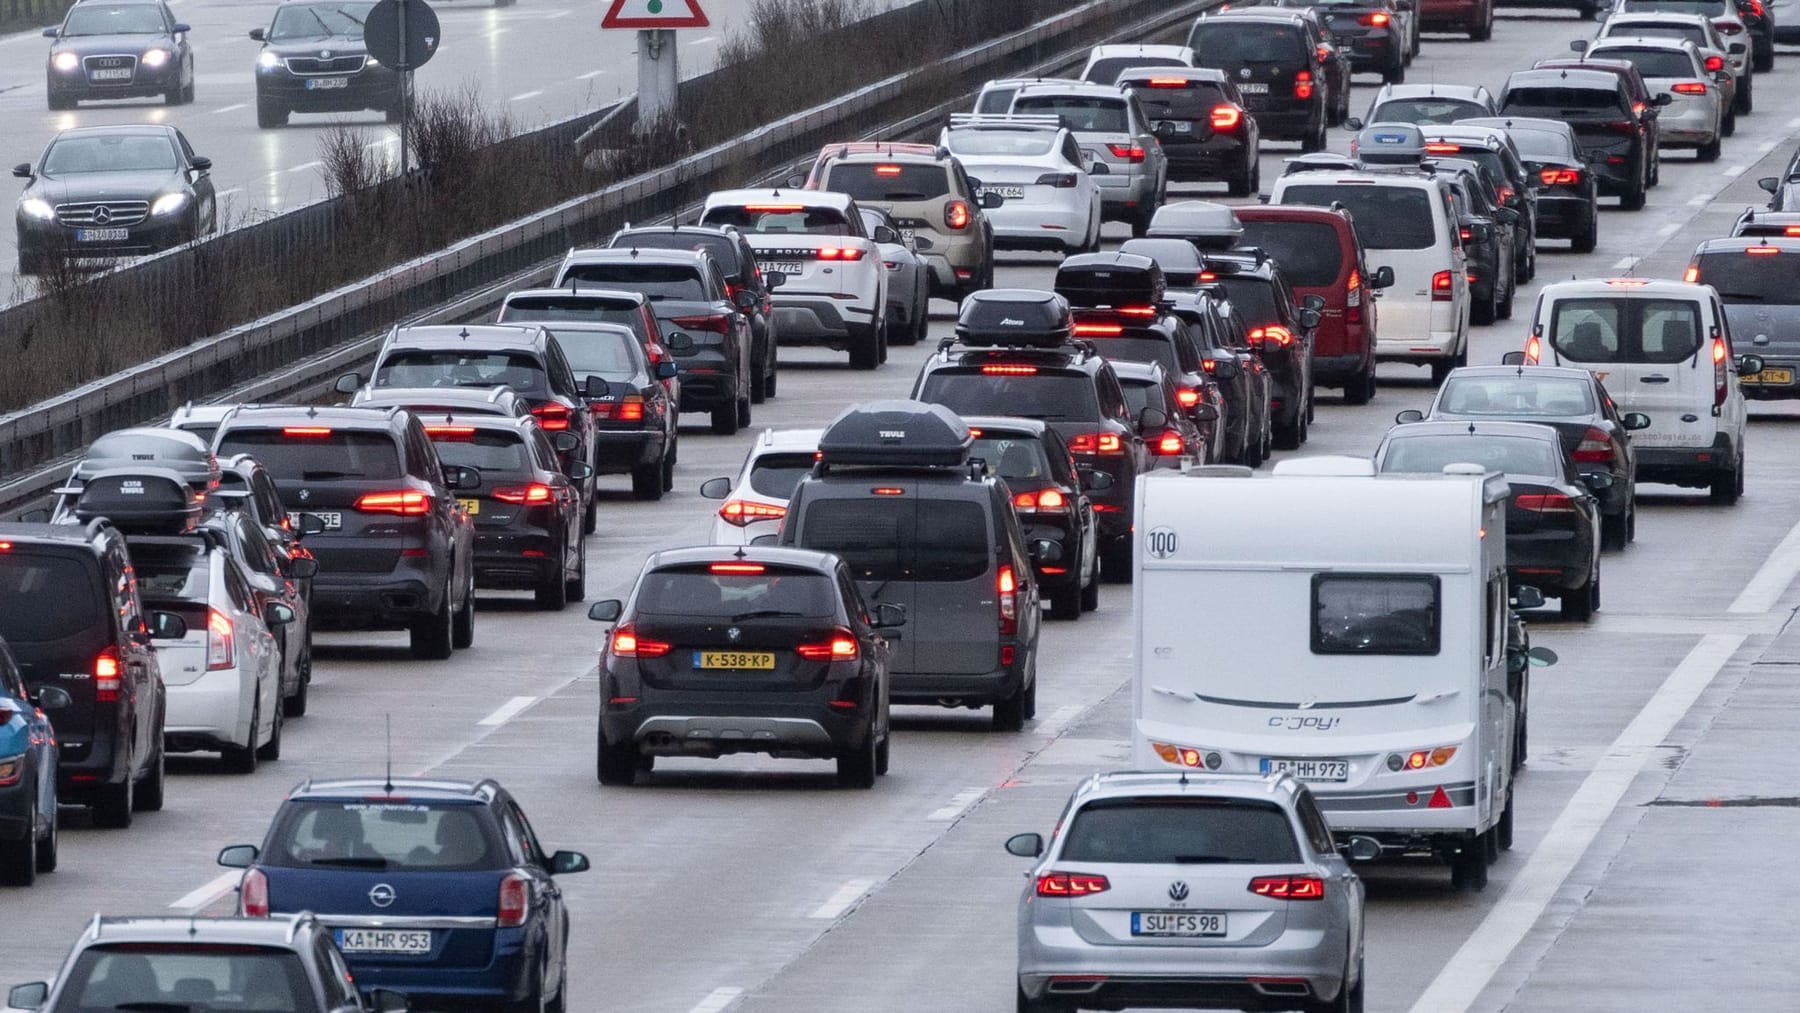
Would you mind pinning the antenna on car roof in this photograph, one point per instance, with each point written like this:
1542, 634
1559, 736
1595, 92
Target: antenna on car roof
388, 786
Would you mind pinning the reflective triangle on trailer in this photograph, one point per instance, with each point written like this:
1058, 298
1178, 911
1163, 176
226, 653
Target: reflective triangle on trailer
655, 14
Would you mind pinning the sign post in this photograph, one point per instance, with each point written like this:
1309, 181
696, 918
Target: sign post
655, 21
402, 34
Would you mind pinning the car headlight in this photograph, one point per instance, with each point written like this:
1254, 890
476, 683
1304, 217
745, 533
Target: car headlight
37, 207
267, 60
370, 61
65, 61
155, 57
168, 204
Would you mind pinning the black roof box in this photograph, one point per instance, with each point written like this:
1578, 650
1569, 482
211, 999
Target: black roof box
1015, 316
899, 434
1111, 279
141, 500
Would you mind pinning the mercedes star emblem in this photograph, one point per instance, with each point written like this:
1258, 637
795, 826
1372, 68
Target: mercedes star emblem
1244, 72
102, 214
1178, 890
734, 634
381, 894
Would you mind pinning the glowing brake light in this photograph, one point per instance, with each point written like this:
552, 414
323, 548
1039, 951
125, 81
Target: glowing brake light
1071, 884
1560, 177
221, 643
1376, 19
1226, 117
450, 434
1273, 334
738, 569
1762, 251
1443, 287
775, 208
956, 215
1714, 64
1095, 443
1168, 82
1008, 369
1443, 148
1466, 234
303, 432
840, 253
1047, 499
530, 495
887, 170
627, 644
106, 676
1688, 87
1187, 397
741, 512
1303, 86
1691, 275
1720, 384
1545, 503
1419, 759
1098, 330
631, 409
406, 502
841, 647
1533, 349
1289, 887
1133, 153
1170, 444
1791, 230
1007, 587
553, 417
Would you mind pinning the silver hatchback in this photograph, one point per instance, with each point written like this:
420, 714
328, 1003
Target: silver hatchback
1186, 891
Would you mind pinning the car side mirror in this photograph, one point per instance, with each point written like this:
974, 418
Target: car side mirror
883, 234
1597, 480
565, 442
1204, 413
796, 182
715, 488
167, 626
1524, 596
200, 163
238, 856
32, 994
1152, 418
1542, 657
259, 35
565, 862
1044, 551
1750, 364
311, 524
889, 615
1096, 481
1409, 416
774, 279
1025, 845
1768, 183
52, 698
1480, 232
348, 383
181, 28
1316, 303
1308, 318
22, 170
1635, 420
459, 477
991, 200
1099, 168
1361, 848
1354, 123
680, 342
667, 370
607, 610
277, 613
1737, 49
1662, 98
1225, 368
745, 300
1578, 46
594, 388
579, 471
1506, 215
386, 1000
1383, 278
1513, 359
303, 568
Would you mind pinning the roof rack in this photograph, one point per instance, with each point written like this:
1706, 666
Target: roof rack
1034, 120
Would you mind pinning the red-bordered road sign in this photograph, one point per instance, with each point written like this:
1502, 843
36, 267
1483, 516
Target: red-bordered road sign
655, 14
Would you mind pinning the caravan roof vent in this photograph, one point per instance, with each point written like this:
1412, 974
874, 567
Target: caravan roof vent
1110, 279
1015, 316
1326, 466
140, 500
896, 434
1205, 224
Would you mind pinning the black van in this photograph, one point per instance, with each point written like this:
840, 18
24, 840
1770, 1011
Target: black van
894, 493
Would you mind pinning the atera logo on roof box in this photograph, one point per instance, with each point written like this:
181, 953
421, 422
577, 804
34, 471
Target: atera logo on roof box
1010, 322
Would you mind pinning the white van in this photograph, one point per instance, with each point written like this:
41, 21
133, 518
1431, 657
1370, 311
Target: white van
1406, 220
1662, 348
1365, 651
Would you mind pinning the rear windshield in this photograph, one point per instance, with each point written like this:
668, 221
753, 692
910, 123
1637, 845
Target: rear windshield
1543, 145
887, 182
996, 100
1484, 157
1746, 278
1651, 62
1710, 8
695, 592
46, 595
1083, 115
1142, 394
656, 281
549, 307
171, 571
1194, 102
188, 976
1368, 613
1655, 30
302, 454
599, 353
420, 367
1520, 396
776, 474
901, 538
1309, 253
382, 835
1043, 395
1555, 102
1001, 142
1254, 298
481, 449
1234, 43
1014, 457
1176, 831
723, 249
1600, 330
1158, 350
1107, 71
1514, 455
779, 219
1387, 217
1425, 110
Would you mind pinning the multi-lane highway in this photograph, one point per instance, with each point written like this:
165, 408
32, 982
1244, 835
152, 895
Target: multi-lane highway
1651, 867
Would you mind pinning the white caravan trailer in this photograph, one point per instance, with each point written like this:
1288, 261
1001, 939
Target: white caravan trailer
1346, 627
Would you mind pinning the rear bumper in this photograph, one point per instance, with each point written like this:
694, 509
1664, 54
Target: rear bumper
1450, 14
211, 712
506, 975
704, 388
818, 320
1563, 217
1216, 158
1549, 560
1039, 226
1337, 370
1055, 961
1287, 122
1689, 466
975, 690
1123, 192
379, 601
516, 560
801, 724
618, 452
17, 818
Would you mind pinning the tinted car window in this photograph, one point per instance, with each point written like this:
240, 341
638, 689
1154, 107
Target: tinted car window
1001, 142
900, 181
657, 281
1515, 397
1013, 457
1375, 614
1157, 350
171, 571
434, 368
1052, 396
189, 976
1107, 71
1175, 831
384, 835
46, 596
1743, 278
696, 592
1552, 101
1542, 145
1230, 43
602, 353
483, 450
1711, 8
777, 474
1309, 252
1513, 455
1425, 110
341, 453
779, 218
1626, 330
1387, 217
723, 248
1094, 115
996, 100
1691, 33
1651, 62
894, 538
544, 307
1194, 102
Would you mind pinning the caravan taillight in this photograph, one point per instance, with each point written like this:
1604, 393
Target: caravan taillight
1188, 756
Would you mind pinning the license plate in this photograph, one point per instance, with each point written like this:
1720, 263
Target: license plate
1009, 192
1769, 375
102, 235
1309, 770
326, 83
384, 941
1253, 88
1179, 126
473, 506
119, 74
791, 268
734, 659
331, 519
1192, 924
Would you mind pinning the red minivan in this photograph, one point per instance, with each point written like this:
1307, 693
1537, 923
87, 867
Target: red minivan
1318, 251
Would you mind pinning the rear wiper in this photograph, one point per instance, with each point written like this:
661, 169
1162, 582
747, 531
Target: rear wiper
1207, 860
765, 614
351, 863
171, 1007
320, 476
1745, 296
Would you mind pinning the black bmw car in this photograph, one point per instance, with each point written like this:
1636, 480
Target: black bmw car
119, 49
313, 60
113, 191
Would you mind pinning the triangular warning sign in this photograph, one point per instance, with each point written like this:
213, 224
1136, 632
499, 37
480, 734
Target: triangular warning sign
655, 14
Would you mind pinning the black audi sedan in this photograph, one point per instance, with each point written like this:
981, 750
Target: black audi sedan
113, 191
119, 49
313, 60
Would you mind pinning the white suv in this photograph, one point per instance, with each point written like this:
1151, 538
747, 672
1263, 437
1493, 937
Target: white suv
1662, 348
756, 501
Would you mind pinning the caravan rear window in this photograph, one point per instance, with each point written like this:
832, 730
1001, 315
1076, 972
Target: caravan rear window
1375, 613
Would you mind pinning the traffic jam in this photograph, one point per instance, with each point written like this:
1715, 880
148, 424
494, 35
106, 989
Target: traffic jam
1171, 485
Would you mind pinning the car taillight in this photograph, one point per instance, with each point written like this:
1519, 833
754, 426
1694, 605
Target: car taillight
1071, 884
1046, 499
406, 502
1545, 502
1169, 444
531, 495
515, 901
1756, 8
221, 643
1560, 177
1688, 87
1006, 369
1303, 86
1133, 153
553, 417
1273, 334
253, 894
1289, 887
743, 511
838, 253
841, 647
631, 409
1169, 82
1720, 387
1762, 251
1505, 193
106, 676
1187, 397
1728, 27
1096, 443
1533, 349
1008, 587
1099, 330
627, 644
305, 432
1714, 64
1466, 233
1594, 447
956, 215
1226, 117
1059, 180
1443, 287
1691, 275
1374, 20
1209, 366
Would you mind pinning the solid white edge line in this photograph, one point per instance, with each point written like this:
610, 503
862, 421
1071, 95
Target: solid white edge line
959, 803
839, 902
508, 710
232, 108
202, 897
1771, 578
1058, 720
590, 75
717, 1000
1732, 172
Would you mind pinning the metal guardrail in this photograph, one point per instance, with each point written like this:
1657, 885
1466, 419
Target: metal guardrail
297, 351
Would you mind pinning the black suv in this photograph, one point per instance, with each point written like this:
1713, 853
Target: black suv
1290, 75
1615, 138
1014, 354
1281, 331
722, 651
70, 611
395, 548
1052, 503
737, 262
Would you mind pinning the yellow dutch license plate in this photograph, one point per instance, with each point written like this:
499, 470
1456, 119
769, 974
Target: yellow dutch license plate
1769, 376
473, 506
734, 659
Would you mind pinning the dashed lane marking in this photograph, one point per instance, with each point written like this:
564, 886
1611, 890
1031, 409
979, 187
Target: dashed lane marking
202, 897
841, 901
507, 711
958, 804
717, 1000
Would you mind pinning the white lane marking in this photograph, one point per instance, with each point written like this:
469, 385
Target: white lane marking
522, 96
1794, 124
304, 167
958, 804
1772, 577
1669, 229
507, 711
840, 901
1732, 172
717, 1000
202, 897
1699, 200
589, 75
704, 40
1624, 263
234, 107
1059, 719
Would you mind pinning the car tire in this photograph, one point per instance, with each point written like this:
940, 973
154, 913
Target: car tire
1027, 1004
758, 391
1578, 603
1588, 238
577, 585
47, 845
1349, 998
882, 752
1289, 437
242, 759
1762, 60
647, 481
1485, 30
1729, 125
187, 90
1115, 560
295, 706
615, 764
865, 348
271, 750
1727, 486
590, 516
58, 103
270, 113
112, 805
147, 796
18, 862
1066, 605
1503, 831
1361, 388
552, 592
431, 635
1614, 530
1009, 714
1503, 309
1469, 866
1746, 96
856, 767
668, 472
1395, 74
1240, 184
725, 419
1314, 139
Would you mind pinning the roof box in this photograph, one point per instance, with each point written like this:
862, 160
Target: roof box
1205, 224
140, 500
1179, 259
896, 434
1390, 144
177, 450
1110, 279
1014, 316
1321, 161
